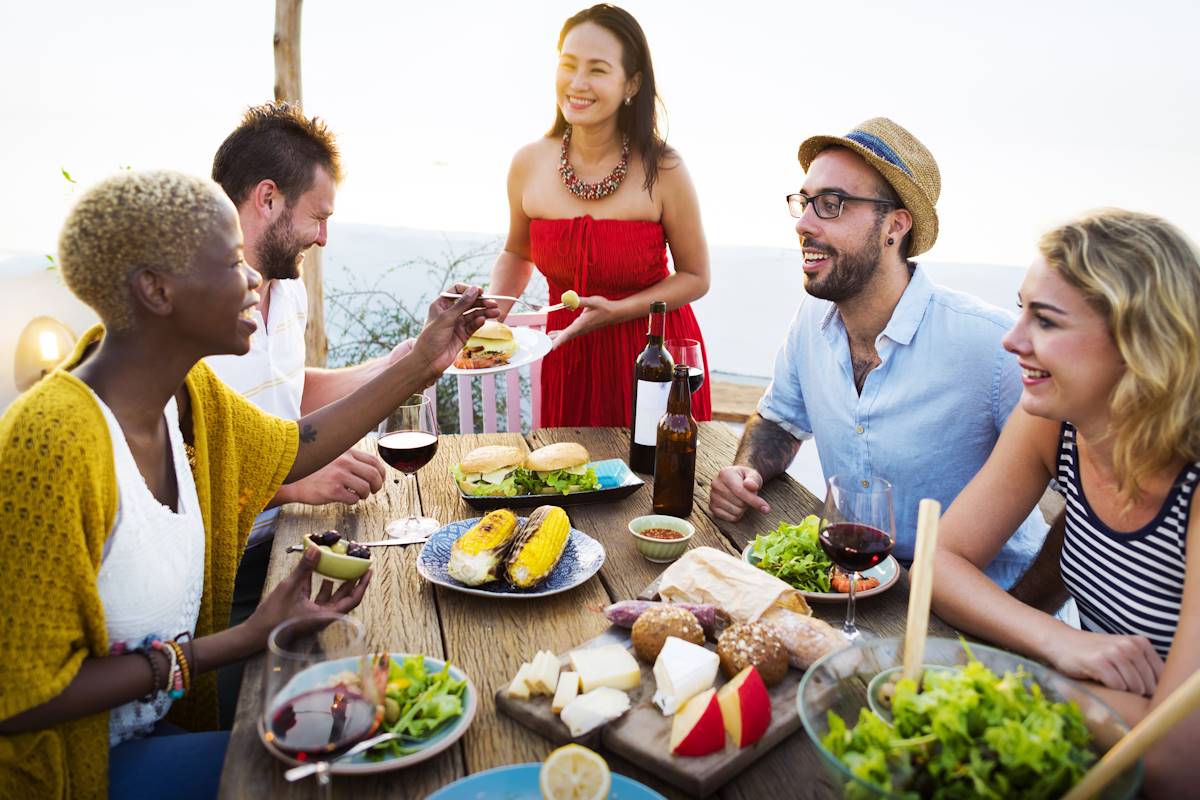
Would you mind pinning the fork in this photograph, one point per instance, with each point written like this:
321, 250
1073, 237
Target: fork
530, 306
304, 770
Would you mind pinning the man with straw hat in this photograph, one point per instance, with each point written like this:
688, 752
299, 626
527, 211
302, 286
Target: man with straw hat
894, 377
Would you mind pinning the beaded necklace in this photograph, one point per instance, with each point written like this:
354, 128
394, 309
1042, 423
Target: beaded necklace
601, 188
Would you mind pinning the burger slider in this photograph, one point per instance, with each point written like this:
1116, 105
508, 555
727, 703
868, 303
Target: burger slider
561, 467
490, 471
490, 346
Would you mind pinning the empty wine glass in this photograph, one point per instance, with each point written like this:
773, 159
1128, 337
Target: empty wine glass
408, 438
687, 351
858, 530
311, 710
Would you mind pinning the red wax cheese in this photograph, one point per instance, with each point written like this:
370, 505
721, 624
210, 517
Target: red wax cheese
697, 729
745, 707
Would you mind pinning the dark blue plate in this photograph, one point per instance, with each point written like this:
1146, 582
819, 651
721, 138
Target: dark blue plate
617, 481
580, 560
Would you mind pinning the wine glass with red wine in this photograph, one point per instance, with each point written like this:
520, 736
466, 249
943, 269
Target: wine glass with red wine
408, 438
311, 716
687, 351
858, 530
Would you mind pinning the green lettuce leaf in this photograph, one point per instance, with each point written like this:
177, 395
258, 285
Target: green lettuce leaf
793, 554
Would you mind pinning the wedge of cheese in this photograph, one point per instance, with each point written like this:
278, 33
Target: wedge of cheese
611, 665
567, 690
519, 688
682, 671
591, 710
543, 673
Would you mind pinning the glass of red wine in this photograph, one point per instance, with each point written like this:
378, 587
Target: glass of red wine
858, 530
314, 716
408, 438
687, 351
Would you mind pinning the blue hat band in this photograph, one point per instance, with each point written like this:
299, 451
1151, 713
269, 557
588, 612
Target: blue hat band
879, 148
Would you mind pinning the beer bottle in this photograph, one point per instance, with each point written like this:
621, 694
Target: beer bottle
675, 456
651, 385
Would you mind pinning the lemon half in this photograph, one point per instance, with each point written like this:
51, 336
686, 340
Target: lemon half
573, 772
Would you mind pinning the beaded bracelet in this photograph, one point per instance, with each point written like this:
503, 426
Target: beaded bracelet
176, 679
157, 676
185, 672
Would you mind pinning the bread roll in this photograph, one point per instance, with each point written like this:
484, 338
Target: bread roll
753, 644
806, 638
652, 628
491, 458
557, 456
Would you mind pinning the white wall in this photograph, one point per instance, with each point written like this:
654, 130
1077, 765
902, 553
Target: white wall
27, 290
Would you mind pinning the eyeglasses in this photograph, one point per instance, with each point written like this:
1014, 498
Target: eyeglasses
828, 205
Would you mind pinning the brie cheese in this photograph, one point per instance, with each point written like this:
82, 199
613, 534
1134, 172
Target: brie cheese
589, 711
682, 671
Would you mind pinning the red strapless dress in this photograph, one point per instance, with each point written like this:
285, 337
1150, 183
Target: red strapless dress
588, 382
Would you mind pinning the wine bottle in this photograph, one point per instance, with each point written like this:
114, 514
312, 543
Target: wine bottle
651, 385
675, 451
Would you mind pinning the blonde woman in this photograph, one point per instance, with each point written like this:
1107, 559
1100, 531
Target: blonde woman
1109, 345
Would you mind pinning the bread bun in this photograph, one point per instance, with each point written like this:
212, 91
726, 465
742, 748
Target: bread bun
557, 456
652, 628
753, 644
491, 458
493, 329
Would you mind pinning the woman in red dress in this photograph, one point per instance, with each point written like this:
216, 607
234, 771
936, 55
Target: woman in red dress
594, 205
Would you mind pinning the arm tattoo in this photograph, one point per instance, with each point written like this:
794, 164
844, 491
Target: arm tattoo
308, 434
766, 446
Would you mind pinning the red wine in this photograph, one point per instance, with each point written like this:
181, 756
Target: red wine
407, 451
323, 721
695, 378
855, 547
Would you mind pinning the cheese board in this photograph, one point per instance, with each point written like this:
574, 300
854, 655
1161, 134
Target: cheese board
643, 734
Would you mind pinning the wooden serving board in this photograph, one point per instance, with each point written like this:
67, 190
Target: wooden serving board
642, 734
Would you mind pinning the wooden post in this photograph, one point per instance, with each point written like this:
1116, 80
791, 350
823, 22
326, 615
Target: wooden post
288, 87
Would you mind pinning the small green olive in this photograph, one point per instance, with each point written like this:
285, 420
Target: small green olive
391, 711
570, 299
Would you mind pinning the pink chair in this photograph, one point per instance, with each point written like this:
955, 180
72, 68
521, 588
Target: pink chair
466, 415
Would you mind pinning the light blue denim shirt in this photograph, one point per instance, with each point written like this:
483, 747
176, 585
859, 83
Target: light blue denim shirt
928, 415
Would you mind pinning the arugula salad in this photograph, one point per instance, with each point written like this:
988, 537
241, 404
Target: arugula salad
968, 734
416, 703
793, 553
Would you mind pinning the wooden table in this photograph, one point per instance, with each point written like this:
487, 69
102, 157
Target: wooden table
490, 639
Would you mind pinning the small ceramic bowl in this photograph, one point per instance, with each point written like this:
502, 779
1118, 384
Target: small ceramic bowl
337, 565
661, 551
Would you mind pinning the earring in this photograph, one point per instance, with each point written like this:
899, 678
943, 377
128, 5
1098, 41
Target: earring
891, 240
629, 100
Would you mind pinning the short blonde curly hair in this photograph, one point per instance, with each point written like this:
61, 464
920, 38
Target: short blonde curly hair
134, 220
1142, 274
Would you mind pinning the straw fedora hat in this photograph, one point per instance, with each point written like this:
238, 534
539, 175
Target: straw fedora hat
903, 161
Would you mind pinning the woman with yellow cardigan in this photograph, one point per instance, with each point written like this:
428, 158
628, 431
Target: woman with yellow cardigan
129, 479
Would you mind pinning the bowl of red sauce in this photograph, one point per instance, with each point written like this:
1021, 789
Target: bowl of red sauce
660, 538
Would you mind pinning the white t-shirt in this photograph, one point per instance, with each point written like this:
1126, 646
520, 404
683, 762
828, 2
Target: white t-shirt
271, 375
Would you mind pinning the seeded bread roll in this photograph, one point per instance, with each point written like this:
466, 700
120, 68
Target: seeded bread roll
753, 644
652, 628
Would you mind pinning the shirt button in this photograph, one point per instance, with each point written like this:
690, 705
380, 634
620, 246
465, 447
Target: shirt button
859, 429
866, 483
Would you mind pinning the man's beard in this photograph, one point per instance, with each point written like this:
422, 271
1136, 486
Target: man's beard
849, 273
277, 254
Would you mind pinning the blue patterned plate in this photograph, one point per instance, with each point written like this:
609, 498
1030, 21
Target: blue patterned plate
581, 560
617, 481
520, 782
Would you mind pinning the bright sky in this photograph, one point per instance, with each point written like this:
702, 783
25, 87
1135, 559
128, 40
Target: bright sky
1035, 109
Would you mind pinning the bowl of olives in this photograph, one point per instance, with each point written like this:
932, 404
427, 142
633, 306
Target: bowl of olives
340, 558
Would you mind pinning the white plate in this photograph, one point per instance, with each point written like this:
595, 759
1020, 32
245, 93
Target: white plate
887, 572
360, 764
532, 345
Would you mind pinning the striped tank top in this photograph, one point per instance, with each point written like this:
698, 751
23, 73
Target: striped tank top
1125, 583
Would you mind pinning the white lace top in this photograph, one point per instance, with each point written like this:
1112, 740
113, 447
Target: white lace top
152, 570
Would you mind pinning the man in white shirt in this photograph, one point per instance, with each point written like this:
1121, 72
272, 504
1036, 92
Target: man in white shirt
281, 170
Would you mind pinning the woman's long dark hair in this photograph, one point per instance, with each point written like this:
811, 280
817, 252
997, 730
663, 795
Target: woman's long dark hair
638, 120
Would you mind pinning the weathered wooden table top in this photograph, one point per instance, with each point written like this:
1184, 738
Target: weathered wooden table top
489, 639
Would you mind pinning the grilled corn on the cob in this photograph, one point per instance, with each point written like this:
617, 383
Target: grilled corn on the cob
539, 547
478, 554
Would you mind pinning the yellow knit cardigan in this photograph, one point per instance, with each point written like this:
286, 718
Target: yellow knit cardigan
58, 503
